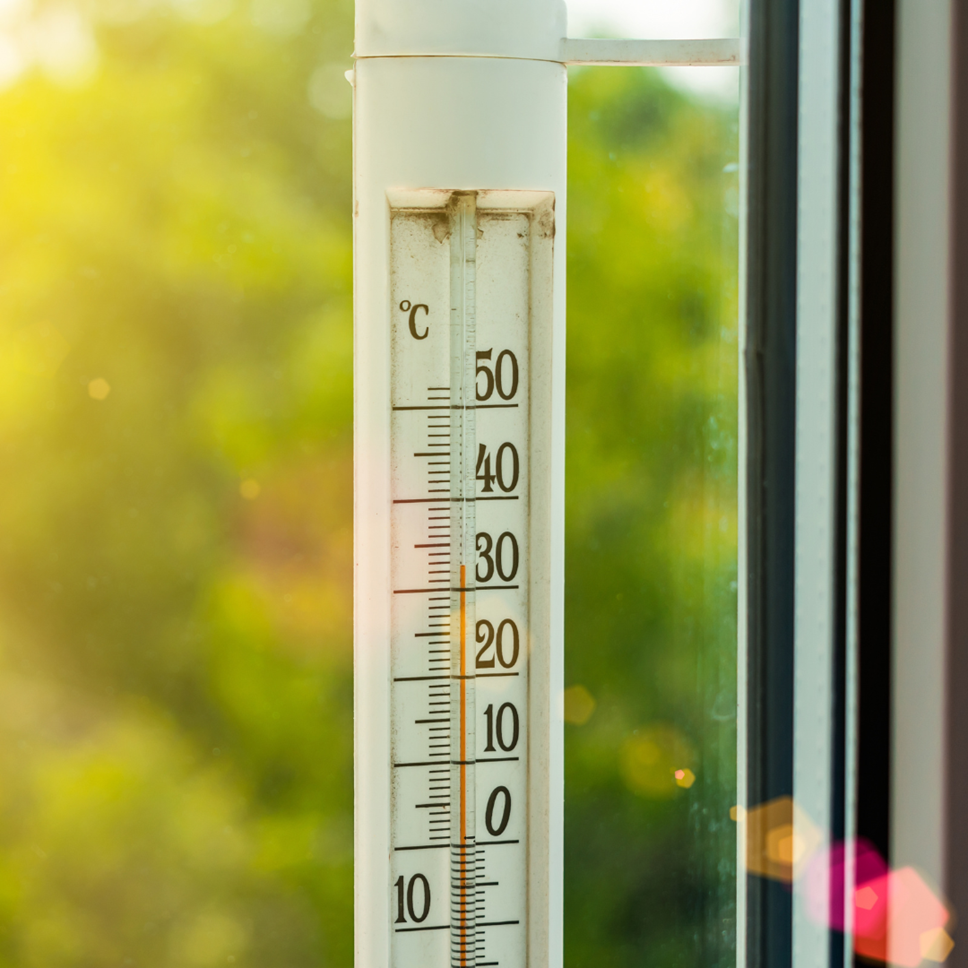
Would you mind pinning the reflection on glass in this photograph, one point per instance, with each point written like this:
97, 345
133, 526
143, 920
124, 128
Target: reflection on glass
653, 18
650, 706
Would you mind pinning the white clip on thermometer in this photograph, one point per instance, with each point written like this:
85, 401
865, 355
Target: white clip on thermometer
470, 399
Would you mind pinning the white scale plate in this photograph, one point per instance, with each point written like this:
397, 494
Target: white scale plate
470, 395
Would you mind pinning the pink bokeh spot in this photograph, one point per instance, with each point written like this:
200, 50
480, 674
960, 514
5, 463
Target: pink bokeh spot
865, 897
892, 910
825, 878
892, 929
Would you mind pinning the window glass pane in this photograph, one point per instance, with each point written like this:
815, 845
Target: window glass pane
650, 704
653, 18
176, 505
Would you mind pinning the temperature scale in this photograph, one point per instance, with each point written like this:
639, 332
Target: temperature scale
470, 404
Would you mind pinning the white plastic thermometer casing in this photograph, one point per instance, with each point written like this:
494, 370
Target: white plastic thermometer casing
444, 133
470, 399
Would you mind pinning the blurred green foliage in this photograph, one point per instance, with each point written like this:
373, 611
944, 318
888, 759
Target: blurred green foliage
650, 607
176, 500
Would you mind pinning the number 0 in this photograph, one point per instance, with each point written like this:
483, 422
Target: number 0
505, 813
499, 556
515, 643
499, 467
499, 374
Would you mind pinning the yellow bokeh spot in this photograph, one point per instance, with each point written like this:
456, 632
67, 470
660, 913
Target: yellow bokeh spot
777, 843
249, 489
783, 846
209, 939
31, 357
650, 758
737, 813
685, 778
99, 388
579, 705
780, 838
936, 944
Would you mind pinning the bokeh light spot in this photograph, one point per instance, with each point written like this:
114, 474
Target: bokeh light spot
780, 838
579, 705
650, 758
789, 848
936, 944
250, 489
896, 932
865, 897
280, 17
685, 778
99, 389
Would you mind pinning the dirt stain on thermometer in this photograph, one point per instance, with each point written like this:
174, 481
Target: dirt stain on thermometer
462, 534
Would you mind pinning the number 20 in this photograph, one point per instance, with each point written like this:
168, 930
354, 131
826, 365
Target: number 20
485, 635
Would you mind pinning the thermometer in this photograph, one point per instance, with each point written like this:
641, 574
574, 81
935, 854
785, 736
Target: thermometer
459, 224
469, 551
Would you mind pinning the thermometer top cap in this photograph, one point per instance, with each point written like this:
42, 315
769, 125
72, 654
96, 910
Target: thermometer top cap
478, 28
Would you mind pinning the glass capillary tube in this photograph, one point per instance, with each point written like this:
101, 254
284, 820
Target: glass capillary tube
463, 344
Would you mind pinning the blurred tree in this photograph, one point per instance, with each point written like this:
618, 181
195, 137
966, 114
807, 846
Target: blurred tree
176, 505
175, 444
651, 525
